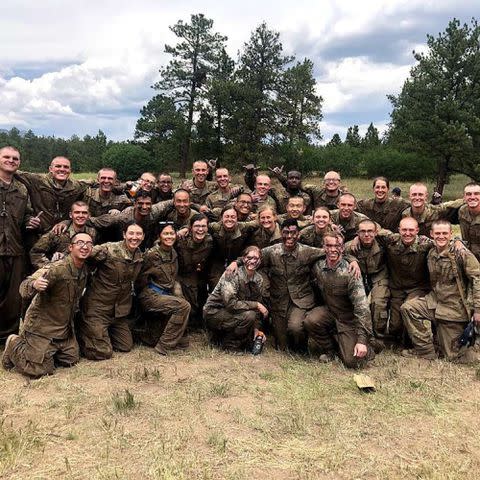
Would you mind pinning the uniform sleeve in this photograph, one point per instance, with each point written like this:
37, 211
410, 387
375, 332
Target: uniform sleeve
472, 271
361, 310
106, 220
161, 209
230, 297
26, 287
44, 246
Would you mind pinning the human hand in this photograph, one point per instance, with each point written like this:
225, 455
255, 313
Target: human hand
360, 350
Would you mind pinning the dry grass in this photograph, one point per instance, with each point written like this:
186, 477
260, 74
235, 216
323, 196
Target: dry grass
204, 414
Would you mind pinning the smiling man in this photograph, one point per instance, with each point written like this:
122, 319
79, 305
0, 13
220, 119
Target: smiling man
47, 337
469, 217
451, 277
346, 310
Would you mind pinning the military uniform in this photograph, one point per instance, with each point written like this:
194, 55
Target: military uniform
161, 293
282, 198
303, 221
263, 238
50, 243
346, 313
15, 212
103, 326
47, 338
180, 222
444, 211
198, 195
293, 304
53, 199
349, 226
193, 260
309, 236
149, 223
449, 304
387, 214
470, 228
99, 205
408, 274
320, 198
228, 246
231, 312
217, 200
372, 262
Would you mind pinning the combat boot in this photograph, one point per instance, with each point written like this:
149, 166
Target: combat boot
12, 340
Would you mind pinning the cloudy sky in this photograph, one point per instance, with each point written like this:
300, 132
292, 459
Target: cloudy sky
70, 67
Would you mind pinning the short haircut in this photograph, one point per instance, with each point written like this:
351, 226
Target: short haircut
290, 222
10, 147
266, 207
325, 209
347, 194
336, 235
408, 218
296, 197
366, 220
243, 194
251, 248
226, 208
79, 203
438, 223
162, 225
72, 238
471, 184
143, 194
181, 190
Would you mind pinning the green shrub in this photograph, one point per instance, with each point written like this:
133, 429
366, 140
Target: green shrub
129, 161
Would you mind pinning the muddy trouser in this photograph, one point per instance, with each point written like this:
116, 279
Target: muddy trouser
396, 327
292, 326
418, 320
99, 335
232, 330
34, 355
328, 334
176, 310
379, 298
196, 295
12, 273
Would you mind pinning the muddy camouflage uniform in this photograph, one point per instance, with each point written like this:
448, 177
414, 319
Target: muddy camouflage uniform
231, 311
454, 296
160, 293
345, 315
387, 214
263, 238
470, 228
350, 225
372, 262
98, 205
293, 304
309, 236
48, 338
444, 211
408, 274
193, 261
103, 326
15, 212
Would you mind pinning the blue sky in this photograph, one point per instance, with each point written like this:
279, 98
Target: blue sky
76, 67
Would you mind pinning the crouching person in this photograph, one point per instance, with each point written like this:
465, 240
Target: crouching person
47, 338
103, 326
161, 293
454, 299
235, 309
345, 319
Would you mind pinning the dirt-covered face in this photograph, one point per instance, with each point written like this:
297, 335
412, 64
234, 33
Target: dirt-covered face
167, 237
60, 169
367, 231
290, 237
133, 237
199, 230
165, 183
333, 249
380, 190
143, 206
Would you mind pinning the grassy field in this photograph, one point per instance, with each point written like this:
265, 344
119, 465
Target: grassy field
204, 414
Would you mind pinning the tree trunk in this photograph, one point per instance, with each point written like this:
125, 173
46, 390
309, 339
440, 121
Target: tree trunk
442, 175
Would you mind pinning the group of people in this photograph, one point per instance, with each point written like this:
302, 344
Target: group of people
90, 267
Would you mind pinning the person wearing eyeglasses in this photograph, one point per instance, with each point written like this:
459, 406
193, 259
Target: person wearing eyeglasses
47, 337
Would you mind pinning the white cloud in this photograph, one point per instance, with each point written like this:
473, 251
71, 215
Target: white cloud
81, 66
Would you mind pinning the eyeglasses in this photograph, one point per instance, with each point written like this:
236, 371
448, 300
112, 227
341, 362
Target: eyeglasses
83, 243
244, 202
332, 180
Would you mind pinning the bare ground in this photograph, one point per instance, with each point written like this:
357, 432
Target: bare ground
204, 414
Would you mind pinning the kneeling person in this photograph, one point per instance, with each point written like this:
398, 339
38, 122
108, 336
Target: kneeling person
235, 308
161, 293
47, 338
346, 314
